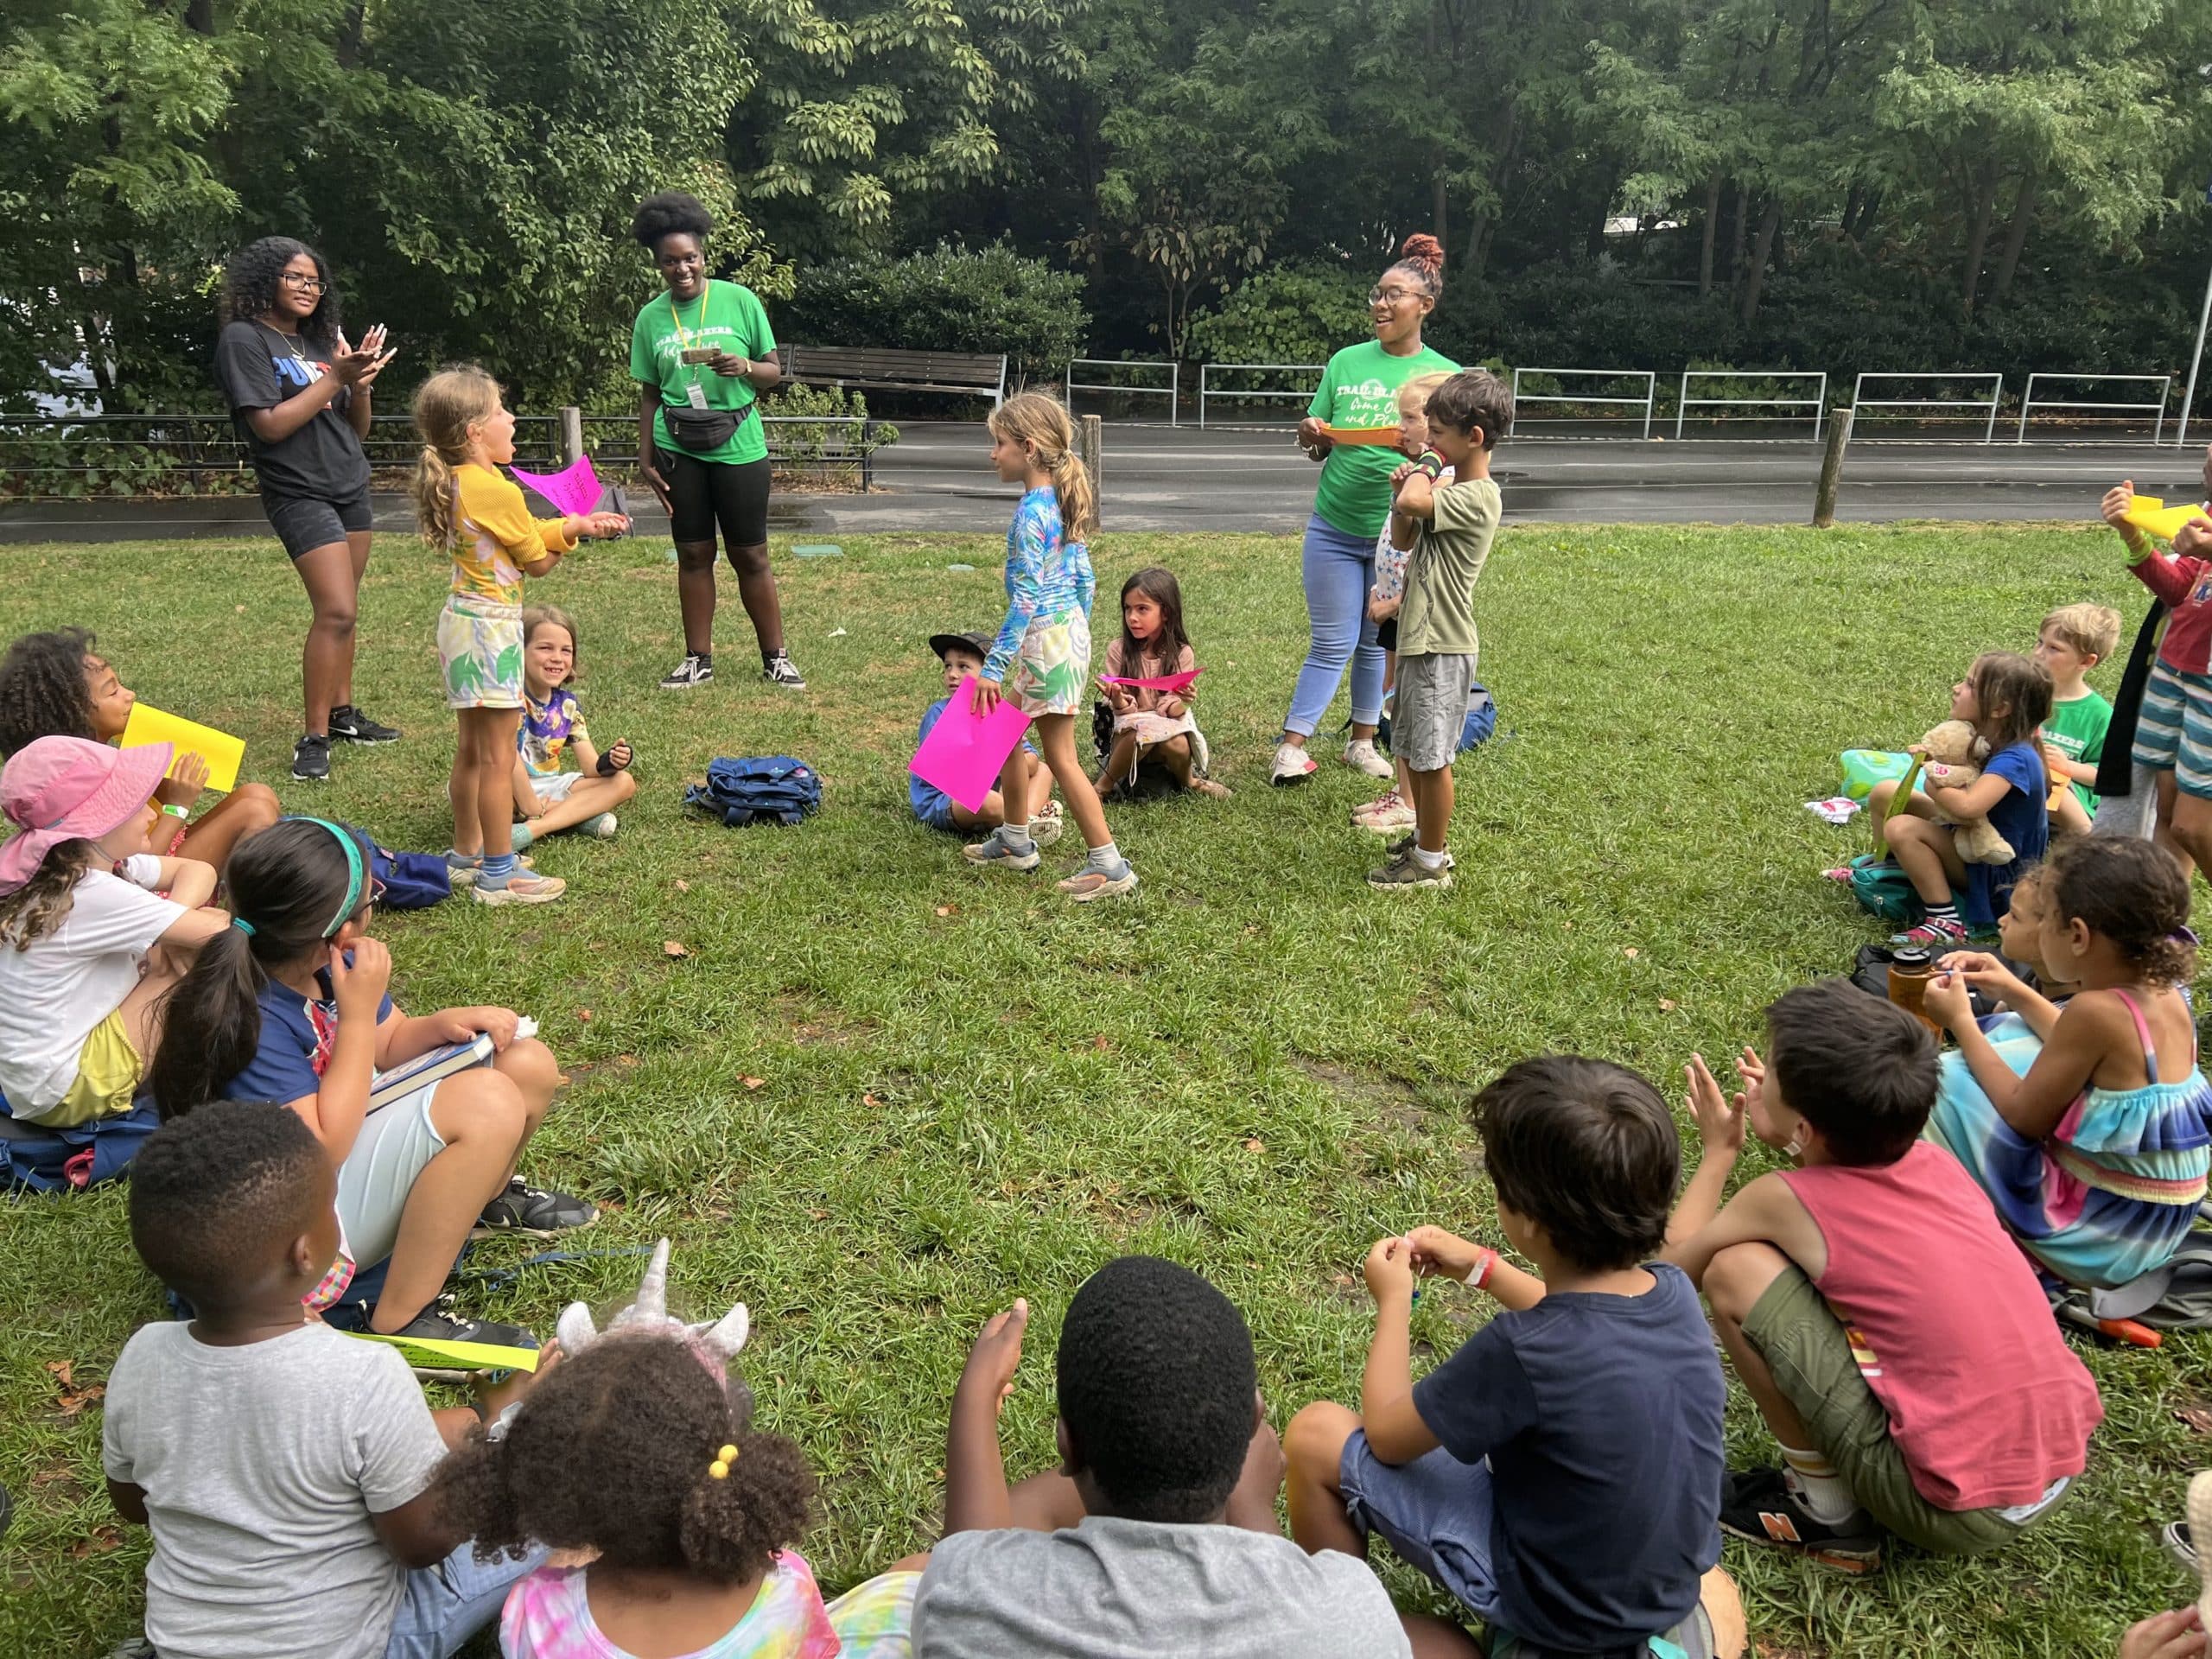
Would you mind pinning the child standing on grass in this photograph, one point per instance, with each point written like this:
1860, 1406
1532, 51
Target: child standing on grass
2074, 640
1891, 1336
2097, 1158
2006, 697
88, 945
56, 685
963, 655
467, 506
1449, 529
550, 797
1044, 642
1151, 726
2173, 734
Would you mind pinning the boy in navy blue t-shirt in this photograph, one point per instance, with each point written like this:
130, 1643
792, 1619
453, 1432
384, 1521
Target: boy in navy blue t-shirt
1561, 1473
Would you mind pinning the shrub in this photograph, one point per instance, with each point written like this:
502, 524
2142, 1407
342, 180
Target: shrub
952, 299
1291, 313
823, 449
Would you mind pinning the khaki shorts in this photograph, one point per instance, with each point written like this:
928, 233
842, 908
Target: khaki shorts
1432, 695
1806, 1348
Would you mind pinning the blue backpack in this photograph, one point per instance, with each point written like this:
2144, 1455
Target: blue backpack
1480, 727
48, 1160
772, 789
411, 880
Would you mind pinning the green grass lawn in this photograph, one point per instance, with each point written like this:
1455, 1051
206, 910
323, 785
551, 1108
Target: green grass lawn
884, 1094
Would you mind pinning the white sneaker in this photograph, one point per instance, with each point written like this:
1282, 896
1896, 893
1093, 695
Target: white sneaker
1386, 816
1045, 826
1294, 766
1360, 755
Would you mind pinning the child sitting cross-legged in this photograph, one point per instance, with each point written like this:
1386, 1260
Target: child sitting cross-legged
1158, 1534
550, 797
283, 1467
1561, 1472
1893, 1337
1147, 727
963, 655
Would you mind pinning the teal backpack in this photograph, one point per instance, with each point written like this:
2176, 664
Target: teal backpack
1885, 889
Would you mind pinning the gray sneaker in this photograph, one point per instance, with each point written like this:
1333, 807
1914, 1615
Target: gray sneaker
1404, 845
1090, 882
995, 852
1406, 872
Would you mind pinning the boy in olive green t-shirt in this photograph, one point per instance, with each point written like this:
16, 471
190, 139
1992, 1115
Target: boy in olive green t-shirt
2073, 640
1450, 528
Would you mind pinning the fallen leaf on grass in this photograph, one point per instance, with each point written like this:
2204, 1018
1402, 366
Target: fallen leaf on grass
673, 948
870, 1100
1255, 1145
948, 910
98, 1541
583, 1016
69, 1399
754, 1083
1627, 950
1666, 1004
2198, 1418
681, 886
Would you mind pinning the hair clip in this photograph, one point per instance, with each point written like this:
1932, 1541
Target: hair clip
719, 1469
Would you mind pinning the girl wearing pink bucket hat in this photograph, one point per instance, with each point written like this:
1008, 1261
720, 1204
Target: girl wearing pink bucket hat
87, 947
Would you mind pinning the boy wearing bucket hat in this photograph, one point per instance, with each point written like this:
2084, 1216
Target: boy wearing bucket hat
87, 945
963, 654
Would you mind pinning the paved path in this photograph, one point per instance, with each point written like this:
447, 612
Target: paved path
938, 477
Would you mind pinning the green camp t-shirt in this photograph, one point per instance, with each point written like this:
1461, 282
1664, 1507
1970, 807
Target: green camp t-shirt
728, 316
1360, 388
2076, 730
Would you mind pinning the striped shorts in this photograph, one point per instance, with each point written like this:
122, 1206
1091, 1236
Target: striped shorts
2174, 733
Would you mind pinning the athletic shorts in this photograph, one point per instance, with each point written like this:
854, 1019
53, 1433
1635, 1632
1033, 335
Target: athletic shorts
1432, 710
395, 1144
479, 652
2174, 732
302, 522
705, 494
1807, 1348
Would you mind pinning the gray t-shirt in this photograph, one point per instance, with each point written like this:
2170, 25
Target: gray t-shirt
1111, 1589
262, 1465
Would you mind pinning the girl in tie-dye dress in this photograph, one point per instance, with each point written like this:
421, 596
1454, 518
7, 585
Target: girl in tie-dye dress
2096, 1157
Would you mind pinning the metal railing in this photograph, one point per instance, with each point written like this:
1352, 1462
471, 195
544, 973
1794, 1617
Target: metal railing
1996, 382
2163, 382
1684, 402
1207, 389
1645, 402
1171, 391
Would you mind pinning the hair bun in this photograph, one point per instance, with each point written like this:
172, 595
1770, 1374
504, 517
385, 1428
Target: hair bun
1425, 250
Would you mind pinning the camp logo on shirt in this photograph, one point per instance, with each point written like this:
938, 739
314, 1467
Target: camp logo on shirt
296, 371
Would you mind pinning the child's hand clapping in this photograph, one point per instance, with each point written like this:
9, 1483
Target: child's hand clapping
1719, 1121
359, 988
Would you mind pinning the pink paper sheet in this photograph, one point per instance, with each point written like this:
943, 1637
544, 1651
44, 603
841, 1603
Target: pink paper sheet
1160, 683
575, 488
963, 754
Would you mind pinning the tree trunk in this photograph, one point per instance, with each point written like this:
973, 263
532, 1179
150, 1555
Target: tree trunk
2016, 237
1738, 235
1705, 246
1755, 278
1863, 226
1983, 208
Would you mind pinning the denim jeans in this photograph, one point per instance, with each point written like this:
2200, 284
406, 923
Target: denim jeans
1339, 569
446, 1604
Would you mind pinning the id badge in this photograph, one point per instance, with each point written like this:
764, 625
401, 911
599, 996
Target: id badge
695, 395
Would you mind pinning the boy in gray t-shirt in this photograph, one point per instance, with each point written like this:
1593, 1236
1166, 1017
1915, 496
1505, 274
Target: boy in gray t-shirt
282, 1466
1159, 1535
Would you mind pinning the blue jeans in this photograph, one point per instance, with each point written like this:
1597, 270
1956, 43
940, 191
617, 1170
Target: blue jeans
446, 1604
1338, 570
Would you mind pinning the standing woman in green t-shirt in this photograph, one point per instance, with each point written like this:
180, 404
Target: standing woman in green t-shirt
1358, 389
701, 354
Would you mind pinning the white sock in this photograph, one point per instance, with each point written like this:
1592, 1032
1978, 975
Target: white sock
1104, 856
1821, 1492
1428, 861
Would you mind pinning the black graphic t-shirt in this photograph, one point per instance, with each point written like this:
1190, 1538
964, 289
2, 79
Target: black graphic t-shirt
260, 368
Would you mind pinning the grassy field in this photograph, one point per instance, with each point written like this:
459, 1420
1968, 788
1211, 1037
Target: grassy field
882, 1094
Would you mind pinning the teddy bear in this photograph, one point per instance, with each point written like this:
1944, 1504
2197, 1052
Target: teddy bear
1953, 755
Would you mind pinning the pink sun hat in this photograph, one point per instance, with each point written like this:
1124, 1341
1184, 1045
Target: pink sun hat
67, 788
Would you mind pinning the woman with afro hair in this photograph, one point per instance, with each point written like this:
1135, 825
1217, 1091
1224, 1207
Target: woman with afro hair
1358, 389
702, 353
300, 394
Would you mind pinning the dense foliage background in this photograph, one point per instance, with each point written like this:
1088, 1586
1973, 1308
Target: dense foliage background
1838, 184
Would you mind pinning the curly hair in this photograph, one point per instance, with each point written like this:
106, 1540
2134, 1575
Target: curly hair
1156, 1386
614, 1451
1421, 257
42, 904
43, 690
249, 286
2134, 893
670, 213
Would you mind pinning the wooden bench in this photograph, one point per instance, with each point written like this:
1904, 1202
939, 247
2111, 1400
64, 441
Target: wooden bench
972, 374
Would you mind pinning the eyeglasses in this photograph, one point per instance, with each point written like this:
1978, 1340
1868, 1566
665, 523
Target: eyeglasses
1389, 295
309, 285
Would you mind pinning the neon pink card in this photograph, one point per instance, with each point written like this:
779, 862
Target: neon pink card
963, 754
575, 488
1159, 683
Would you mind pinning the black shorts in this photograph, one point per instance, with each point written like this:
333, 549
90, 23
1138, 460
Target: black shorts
704, 493
304, 522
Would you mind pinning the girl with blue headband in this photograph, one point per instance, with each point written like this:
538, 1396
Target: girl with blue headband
288, 1004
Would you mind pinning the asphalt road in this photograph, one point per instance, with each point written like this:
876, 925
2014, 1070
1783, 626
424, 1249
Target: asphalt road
939, 477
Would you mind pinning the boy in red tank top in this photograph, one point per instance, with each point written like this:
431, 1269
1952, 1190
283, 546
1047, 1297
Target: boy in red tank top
1892, 1336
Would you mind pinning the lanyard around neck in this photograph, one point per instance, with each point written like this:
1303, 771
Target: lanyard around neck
706, 294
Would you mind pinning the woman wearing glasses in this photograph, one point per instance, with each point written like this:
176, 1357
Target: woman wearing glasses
1358, 389
300, 395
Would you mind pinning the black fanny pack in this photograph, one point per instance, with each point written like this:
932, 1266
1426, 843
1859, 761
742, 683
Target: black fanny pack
701, 429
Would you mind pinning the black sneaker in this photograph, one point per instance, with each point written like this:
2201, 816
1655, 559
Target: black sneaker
437, 1323
1761, 1505
524, 1209
780, 670
694, 670
311, 759
349, 725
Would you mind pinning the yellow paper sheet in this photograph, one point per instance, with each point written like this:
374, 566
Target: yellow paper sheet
223, 752
2154, 517
434, 1356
